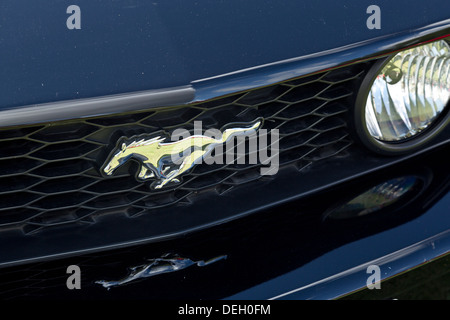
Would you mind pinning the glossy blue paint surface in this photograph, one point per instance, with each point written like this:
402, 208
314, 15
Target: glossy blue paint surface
133, 45
344, 269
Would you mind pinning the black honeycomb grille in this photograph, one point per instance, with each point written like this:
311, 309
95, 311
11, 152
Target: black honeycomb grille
49, 173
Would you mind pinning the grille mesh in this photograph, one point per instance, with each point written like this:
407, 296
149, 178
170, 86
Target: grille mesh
49, 173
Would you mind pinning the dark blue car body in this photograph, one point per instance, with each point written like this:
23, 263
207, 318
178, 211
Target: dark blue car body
200, 51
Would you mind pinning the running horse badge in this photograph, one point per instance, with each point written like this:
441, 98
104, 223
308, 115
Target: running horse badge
155, 156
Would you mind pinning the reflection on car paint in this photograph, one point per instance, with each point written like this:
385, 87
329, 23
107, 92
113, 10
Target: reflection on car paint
157, 266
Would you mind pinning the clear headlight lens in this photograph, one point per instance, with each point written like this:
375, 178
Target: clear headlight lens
409, 93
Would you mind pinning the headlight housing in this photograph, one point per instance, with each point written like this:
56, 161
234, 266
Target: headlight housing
404, 101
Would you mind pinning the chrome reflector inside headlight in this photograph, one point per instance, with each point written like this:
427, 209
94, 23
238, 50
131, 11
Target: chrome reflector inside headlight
409, 93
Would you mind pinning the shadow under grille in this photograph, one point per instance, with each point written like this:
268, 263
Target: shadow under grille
50, 173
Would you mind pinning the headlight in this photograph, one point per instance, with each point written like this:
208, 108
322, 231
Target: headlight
407, 96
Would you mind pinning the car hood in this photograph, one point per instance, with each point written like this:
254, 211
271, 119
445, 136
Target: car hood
127, 46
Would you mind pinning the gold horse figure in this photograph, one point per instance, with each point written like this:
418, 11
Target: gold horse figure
156, 157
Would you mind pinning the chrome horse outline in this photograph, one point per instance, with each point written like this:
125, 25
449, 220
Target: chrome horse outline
156, 156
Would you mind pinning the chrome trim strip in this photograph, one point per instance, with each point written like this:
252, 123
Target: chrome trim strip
276, 72
221, 85
98, 106
402, 260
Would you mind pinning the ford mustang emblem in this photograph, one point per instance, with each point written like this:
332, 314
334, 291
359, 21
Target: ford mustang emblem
166, 162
